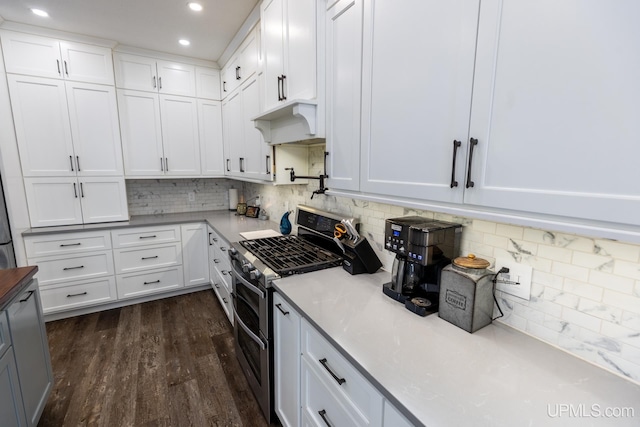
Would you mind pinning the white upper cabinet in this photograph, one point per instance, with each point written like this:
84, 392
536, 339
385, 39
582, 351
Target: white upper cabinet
95, 129
207, 83
179, 118
151, 75
289, 50
42, 126
555, 109
45, 57
103, 199
416, 96
243, 63
141, 133
344, 81
211, 143
232, 132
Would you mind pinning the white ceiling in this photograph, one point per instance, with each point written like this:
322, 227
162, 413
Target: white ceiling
147, 24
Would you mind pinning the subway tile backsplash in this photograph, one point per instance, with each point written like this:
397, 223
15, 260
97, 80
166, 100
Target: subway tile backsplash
156, 196
585, 292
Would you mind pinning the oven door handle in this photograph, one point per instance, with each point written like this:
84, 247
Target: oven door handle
246, 283
253, 336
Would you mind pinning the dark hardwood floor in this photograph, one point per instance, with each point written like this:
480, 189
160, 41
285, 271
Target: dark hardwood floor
169, 362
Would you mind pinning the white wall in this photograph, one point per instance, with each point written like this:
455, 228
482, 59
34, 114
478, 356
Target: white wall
585, 294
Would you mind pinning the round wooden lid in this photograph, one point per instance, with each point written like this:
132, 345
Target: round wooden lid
470, 261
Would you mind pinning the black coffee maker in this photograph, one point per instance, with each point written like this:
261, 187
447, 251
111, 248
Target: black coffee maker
423, 248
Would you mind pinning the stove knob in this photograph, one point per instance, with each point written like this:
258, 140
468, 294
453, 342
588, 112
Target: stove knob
246, 266
233, 251
388, 244
401, 249
254, 274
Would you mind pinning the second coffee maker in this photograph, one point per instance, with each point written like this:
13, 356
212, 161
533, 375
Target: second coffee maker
423, 247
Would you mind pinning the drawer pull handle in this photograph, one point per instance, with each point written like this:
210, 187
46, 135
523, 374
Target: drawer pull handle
149, 283
148, 237
217, 286
76, 295
279, 306
225, 300
472, 143
149, 257
27, 297
339, 380
222, 248
323, 414
72, 268
224, 272
216, 260
215, 239
70, 244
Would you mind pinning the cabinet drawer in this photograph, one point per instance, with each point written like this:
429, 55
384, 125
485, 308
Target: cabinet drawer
145, 236
224, 297
320, 406
67, 297
355, 390
64, 268
130, 260
225, 276
150, 282
5, 339
55, 244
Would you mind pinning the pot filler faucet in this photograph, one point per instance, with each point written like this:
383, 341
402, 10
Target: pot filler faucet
320, 177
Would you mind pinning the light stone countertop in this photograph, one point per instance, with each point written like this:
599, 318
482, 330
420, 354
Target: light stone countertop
443, 375
227, 223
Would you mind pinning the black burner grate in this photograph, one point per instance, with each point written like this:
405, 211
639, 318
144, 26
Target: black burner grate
288, 255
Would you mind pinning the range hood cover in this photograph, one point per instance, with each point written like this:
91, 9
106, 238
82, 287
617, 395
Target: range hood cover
295, 121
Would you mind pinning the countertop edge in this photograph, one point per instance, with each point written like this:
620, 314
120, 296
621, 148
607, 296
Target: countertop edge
19, 278
365, 373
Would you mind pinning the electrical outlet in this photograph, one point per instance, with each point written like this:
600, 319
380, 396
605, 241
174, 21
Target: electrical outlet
192, 196
517, 281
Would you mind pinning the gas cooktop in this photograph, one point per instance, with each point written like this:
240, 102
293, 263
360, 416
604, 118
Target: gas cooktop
287, 255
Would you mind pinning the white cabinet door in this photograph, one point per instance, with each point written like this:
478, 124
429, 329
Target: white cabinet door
416, 96
233, 132
286, 362
555, 109
207, 83
95, 129
11, 406
195, 254
211, 143
248, 58
344, 80
86, 63
141, 133
53, 201
103, 199
31, 55
300, 50
176, 79
42, 126
135, 72
253, 161
179, 117
230, 77
273, 36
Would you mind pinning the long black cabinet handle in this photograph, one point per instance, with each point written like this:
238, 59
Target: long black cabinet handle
76, 295
161, 165
25, 299
456, 145
323, 415
166, 164
238, 73
279, 307
148, 237
472, 143
149, 283
159, 82
241, 164
81, 190
71, 163
339, 380
78, 162
75, 190
268, 168
66, 70
70, 244
150, 257
154, 82
224, 86
279, 93
58, 62
228, 170
284, 96
73, 268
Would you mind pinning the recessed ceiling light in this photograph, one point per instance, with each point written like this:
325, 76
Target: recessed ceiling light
184, 42
40, 12
195, 6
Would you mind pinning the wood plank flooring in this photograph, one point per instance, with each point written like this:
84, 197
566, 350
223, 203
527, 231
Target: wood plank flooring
169, 362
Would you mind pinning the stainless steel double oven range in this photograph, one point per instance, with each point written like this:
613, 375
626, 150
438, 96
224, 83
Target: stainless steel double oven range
255, 265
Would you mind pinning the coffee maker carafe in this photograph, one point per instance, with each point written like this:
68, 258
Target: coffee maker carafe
423, 248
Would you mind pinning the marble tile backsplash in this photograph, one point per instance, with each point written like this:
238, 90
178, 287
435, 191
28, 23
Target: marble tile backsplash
155, 196
585, 292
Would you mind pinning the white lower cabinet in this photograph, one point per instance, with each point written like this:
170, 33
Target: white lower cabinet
315, 385
138, 259
79, 266
195, 254
220, 271
149, 282
11, 408
72, 295
286, 351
